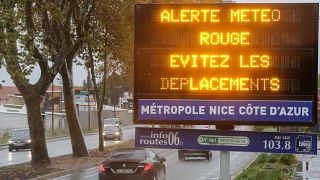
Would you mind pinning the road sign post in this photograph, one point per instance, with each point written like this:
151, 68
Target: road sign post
225, 165
224, 155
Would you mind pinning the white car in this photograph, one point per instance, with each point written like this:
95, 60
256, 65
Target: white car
112, 132
112, 122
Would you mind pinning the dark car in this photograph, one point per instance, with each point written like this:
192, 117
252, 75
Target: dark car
133, 163
183, 154
19, 139
112, 132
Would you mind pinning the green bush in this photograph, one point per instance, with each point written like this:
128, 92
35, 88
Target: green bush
248, 174
268, 175
269, 167
287, 159
273, 158
262, 158
260, 173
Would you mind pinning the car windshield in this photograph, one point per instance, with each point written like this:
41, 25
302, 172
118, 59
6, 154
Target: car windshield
20, 133
111, 128
132, 154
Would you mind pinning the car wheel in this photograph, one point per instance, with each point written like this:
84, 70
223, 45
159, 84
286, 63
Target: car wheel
209, 156
10, 149
17, 149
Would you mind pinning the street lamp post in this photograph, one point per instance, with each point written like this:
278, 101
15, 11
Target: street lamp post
52, 108
88, 110
88, 99
115, 98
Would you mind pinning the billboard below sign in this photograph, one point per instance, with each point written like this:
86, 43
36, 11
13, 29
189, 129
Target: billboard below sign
226, 52
242, 141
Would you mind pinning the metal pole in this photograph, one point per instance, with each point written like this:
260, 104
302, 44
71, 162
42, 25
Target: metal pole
225, 165
60, 94
225, 157
88, 100
52, 108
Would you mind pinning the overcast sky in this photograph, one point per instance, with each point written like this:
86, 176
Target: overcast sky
80, 73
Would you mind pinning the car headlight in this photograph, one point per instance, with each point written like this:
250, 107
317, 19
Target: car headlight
117, 133
29, 141
104, 133
10, 142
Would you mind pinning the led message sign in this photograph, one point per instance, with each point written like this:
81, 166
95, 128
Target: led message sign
193, 58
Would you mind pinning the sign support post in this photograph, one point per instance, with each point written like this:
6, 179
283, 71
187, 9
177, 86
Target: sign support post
225, 165
225, 156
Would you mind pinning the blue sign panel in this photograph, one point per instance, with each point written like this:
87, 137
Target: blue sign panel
224, 110
243, 141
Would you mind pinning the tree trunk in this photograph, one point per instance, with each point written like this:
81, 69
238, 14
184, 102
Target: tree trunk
100, 108
99, 101
101, 140
78, 145
36, 126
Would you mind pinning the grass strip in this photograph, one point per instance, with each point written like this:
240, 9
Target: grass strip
270, 167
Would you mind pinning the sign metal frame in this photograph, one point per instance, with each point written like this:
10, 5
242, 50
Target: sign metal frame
141, 95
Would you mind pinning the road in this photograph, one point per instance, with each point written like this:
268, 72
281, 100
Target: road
192, 169
188, 170
54, 148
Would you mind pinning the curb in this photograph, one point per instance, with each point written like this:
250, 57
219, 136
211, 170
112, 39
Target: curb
3, 146
69, 171
295, 170
57, 138
66, 172
62, 173
246, 167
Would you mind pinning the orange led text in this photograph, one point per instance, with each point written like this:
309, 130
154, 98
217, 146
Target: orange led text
254, 15
224, 38
190, 15
220, 84
199, 60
